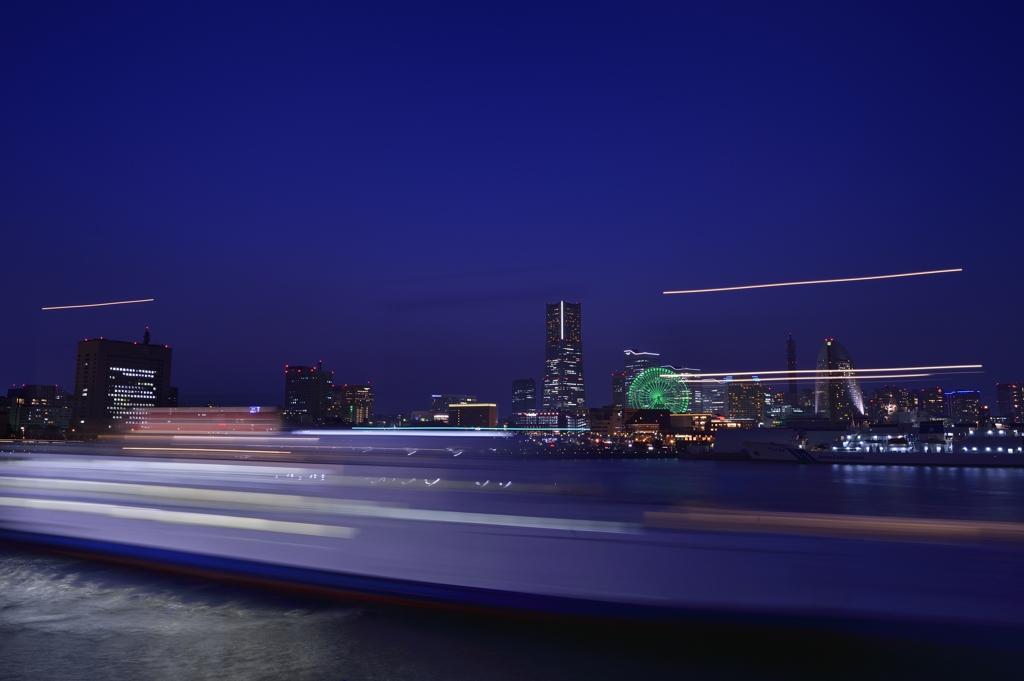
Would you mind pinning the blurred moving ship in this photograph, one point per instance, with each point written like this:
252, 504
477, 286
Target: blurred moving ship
404, 517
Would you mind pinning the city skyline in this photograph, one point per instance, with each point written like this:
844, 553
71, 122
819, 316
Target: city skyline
635, 361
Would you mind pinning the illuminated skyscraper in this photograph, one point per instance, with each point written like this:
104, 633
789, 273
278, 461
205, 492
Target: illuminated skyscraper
837, 393
714, 397
352, 404
635, 362
524, 395
963, 406
307, 393
932, 401
114, 377
888, 401
563, 358
747, 399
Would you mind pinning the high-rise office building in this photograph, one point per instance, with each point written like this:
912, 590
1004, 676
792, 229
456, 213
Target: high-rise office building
963, 406
1010, 399
634, 362
837, 393
307, 393
114, 377
619, 389
524, 395
933, 401
791, 367
714, 398
351, 404
563, 358
747, 399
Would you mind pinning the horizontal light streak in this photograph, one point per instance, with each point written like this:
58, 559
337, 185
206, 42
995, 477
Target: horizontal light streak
116, 302
181, 517
342, 507
200, 449
873, 527
815, 281
407, 431
837, 373
946, 367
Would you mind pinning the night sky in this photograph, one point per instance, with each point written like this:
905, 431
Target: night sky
398, 191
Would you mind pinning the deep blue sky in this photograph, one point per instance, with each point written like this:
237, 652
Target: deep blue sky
398, 191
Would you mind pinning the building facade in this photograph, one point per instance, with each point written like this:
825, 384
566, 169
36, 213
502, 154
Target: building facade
1010, 400
619, 389
524, 395
933, 401
837, 394
351, 404
963, 406
887, 402
473, 415
39, 410
635, 361
747, 400
714, 397
114, 377
307, 394
563, 358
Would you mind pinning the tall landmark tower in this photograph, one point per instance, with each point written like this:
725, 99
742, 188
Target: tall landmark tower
791, 367
563, 358
837, 393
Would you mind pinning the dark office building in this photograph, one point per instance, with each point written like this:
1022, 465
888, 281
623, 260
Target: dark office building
351, 404
307, 393
563, 358
473, 415
524, 395
114, 377
933, 401
1010, 399
963, 406
619, 389
39, 410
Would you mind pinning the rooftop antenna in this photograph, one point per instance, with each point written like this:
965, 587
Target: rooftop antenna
145, 337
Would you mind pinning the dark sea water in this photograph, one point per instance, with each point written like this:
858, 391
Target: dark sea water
73, 618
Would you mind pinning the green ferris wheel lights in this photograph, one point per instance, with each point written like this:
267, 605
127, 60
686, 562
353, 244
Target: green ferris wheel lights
659, 388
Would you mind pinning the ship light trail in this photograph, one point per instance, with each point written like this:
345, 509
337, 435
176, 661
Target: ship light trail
116, 302
815, 281
198, 449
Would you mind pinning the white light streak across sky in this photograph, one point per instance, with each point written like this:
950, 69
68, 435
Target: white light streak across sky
815, 281
116, 302
945, 367
836, 373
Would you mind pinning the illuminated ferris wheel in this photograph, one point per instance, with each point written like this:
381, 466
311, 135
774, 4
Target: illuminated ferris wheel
659, 388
